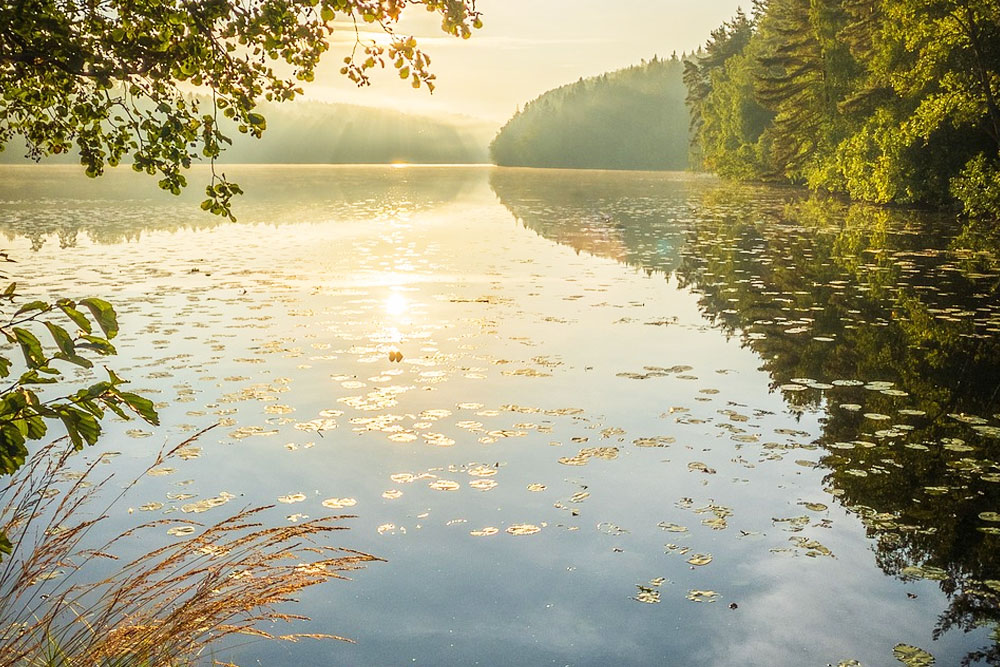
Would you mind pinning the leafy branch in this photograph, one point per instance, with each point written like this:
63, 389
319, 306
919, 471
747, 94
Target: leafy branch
25, 415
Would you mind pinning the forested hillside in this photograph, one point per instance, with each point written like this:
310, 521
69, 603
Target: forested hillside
889, 101
634, 118
319, 133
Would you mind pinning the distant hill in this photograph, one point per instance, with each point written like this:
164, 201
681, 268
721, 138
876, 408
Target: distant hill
633, 118
319, 133
310, 133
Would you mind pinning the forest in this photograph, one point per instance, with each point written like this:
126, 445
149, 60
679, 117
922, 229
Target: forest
893, 102
633, 118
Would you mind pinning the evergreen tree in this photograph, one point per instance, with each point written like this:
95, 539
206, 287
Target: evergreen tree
886, 101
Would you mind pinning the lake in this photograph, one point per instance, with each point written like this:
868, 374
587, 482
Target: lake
640, 418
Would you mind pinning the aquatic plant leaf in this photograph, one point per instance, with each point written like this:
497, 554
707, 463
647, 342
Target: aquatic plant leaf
912, 656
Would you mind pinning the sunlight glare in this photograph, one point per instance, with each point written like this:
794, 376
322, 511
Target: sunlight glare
396, 304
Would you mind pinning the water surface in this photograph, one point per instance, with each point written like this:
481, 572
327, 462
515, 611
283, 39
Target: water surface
640, 418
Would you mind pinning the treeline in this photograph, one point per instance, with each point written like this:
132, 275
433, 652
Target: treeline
888, 101
311, 133
634, 118
320, 133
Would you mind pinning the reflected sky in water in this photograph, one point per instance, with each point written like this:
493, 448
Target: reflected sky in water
725, 409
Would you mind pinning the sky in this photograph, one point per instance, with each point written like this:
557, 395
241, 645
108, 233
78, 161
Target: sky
525, 48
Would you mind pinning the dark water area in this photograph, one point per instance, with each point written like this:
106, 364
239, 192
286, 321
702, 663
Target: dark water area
641, 418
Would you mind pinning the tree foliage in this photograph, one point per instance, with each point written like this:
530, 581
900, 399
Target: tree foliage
630, 119
885, 101
725, 122
107, 78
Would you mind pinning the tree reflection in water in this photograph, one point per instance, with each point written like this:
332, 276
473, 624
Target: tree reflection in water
888, 321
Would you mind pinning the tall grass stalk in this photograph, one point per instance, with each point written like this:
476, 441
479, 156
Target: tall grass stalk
164, 607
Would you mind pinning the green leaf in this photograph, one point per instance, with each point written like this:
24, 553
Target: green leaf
115, 408
36, 427
105, 315
81, 426
69, 421
10, 289
72, 313
12, 449
5, 365
31, 347
92, 407
94, 390
99, 344
6, 548
76, 359
142, 406
89, 427
32, 377
28, 307
14, 402
62, 338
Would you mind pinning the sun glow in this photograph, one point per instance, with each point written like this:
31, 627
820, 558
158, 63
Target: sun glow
396, 304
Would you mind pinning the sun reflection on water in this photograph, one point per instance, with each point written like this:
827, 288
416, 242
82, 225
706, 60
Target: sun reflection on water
396, 305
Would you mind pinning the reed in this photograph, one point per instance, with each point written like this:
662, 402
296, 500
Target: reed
167, 606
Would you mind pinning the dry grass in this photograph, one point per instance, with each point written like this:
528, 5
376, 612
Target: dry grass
162, 608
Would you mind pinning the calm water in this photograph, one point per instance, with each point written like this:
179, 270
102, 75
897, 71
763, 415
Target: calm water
735, 426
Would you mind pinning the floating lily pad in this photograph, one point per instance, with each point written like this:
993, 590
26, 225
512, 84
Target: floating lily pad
912, 656
672, 527
339, 503
815, 507
702, 596
924, 572
700, 559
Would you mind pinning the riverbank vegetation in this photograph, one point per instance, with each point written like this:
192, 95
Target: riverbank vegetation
888, 102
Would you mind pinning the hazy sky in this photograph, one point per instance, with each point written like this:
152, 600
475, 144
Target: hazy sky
525, 48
